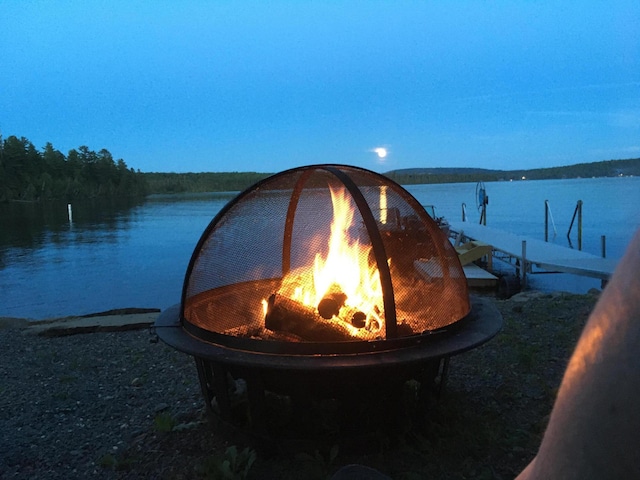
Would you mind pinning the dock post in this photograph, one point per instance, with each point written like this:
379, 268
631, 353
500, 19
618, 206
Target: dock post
578, 212
603, 245
546, 220
580, 225
523, 266
548, 215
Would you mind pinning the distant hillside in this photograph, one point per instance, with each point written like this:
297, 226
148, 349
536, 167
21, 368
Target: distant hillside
608, 168
235, 181
440, 171
167, 183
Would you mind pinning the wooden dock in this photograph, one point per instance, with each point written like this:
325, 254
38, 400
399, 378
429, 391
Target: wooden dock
478, 277
529, 252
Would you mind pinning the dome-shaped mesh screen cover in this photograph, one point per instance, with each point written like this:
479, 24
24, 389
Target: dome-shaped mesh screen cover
325, 253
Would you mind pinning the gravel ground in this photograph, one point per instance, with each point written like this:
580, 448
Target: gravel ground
119, 405
70, 406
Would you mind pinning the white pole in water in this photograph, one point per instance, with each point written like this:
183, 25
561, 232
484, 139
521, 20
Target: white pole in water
70, 213
523, 267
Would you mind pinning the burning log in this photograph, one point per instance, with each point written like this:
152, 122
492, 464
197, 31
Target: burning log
287, 315
331, 304
358, 319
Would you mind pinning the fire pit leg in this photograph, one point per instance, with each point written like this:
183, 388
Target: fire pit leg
429, 389
205, 375
443, 376
256, 397
221, 390
215, 385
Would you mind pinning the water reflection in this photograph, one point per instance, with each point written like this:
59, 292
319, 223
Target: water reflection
30, 226
115, 254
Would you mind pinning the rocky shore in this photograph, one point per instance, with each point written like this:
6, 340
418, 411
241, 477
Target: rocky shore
120, 404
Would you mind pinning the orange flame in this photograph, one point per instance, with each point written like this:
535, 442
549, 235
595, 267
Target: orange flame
345, 269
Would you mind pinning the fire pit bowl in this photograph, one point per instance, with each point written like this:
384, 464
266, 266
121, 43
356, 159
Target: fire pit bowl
322, 282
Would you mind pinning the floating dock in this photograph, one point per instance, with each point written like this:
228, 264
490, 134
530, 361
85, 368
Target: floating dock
478, 277
527, 252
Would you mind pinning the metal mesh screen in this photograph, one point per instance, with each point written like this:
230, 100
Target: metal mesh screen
322, 254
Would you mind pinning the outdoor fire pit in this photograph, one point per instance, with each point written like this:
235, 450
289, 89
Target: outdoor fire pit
322, 288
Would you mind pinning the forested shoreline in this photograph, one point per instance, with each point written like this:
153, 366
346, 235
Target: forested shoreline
605, 168
233, 181
27, 174
168, 183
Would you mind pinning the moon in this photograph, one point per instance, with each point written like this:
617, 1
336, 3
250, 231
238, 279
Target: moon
380, 151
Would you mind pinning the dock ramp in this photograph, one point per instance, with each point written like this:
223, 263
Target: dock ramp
529, 252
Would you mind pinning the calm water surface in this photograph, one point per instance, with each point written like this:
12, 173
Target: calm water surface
109, 256
119, 254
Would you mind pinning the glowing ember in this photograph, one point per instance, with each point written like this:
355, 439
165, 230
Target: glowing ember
344, 288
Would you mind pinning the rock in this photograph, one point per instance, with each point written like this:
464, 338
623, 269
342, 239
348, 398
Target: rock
11, 322
527, 295
160, 407
186, 426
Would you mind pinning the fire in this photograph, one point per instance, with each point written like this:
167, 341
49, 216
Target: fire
343, 287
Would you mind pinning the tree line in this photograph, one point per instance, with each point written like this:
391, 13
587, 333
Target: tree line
28, 174
606, 168
236, 181
168, 183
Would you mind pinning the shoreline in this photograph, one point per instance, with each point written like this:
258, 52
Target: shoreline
123, 319
108, 321
120, 318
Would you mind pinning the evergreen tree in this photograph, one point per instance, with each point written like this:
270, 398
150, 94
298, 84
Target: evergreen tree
27, 174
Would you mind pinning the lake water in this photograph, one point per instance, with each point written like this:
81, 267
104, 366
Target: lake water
123, 254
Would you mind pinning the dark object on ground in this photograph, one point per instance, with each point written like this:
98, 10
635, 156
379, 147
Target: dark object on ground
358, 472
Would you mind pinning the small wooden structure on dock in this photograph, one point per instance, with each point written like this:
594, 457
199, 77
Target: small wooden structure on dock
525, 253
477, 277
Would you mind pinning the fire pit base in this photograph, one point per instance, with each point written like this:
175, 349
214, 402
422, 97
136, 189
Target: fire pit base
326, 395
333, 405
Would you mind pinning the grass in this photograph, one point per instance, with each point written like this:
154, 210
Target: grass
234, 464
164, 422
117, 463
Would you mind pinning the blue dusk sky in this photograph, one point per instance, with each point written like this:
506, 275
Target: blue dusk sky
270, 85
